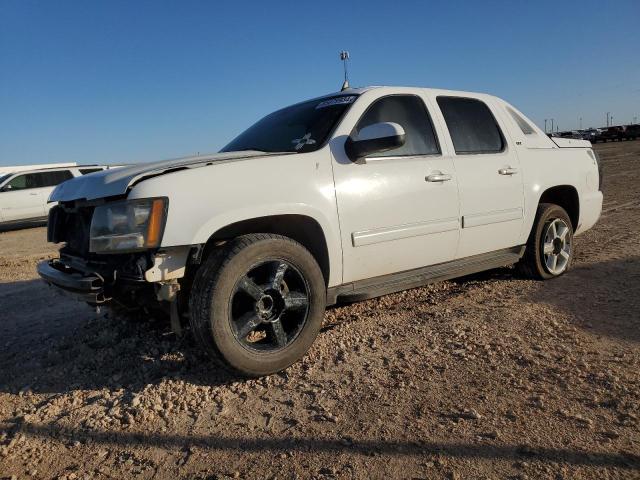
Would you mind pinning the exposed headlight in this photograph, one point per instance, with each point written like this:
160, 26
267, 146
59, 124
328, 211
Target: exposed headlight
128, 226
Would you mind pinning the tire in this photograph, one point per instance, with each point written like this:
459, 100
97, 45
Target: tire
551, 223
257, 304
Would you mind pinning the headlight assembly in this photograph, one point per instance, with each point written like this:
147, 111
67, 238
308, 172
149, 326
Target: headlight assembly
128, 226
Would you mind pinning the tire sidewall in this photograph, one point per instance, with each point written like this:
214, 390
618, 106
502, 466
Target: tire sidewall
239, 357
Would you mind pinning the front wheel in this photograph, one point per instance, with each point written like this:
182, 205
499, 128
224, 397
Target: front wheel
549, 250
257, 305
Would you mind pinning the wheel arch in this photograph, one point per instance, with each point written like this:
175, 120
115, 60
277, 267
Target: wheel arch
302, 228
565, 196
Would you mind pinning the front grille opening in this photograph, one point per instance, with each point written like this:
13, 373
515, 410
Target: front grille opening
71, 226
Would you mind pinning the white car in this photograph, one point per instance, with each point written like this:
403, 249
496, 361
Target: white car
24, 194
341, 198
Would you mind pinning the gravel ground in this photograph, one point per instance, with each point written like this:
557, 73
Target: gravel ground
489, 376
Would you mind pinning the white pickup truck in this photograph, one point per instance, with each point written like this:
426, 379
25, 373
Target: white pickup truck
336, 199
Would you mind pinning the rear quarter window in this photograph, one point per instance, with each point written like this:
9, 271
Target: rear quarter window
522, 123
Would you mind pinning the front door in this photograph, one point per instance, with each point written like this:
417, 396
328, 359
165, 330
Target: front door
489, 177
21, 198
398, 210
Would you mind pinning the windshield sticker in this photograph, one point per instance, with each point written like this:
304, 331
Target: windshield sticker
301, 142
337, 101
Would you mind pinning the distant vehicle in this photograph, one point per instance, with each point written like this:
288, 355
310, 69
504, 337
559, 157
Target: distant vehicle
24, 195
570, 134
612, 133
590, 134
631, 132
337, 199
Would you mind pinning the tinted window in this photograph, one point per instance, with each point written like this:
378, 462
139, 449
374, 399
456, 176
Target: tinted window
85, 171
300, 128
522, 123
471, 124
51, 179
22, 182
410, 112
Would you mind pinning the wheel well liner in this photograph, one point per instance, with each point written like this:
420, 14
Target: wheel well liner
566, 197
301, 228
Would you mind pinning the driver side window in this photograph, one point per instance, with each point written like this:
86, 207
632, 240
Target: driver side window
21, 182
410, 112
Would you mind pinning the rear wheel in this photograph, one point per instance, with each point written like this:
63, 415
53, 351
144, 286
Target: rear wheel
257, 305
549, 250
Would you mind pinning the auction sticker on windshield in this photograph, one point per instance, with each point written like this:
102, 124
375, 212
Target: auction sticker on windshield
337, 101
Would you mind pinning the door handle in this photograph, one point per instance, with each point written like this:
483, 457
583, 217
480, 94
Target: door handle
438, 177
508, 171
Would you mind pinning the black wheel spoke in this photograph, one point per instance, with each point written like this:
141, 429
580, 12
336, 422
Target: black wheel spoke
269, 306
295, 301
278, 332
247, 324
248, 286
278, 276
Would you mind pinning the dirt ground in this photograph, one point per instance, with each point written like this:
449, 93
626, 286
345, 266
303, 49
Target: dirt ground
489, 376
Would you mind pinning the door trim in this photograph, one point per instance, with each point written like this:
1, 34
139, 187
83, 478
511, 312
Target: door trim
379, 235
497, 216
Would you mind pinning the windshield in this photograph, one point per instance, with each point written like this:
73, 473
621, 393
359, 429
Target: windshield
299, 128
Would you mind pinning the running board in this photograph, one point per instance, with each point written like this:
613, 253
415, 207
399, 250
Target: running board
396, 282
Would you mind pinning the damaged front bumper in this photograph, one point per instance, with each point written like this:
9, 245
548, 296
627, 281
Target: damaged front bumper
97, 282
84, 286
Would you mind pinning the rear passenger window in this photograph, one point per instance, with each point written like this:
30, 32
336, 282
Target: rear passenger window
51, 179
472, 126
522, 123
85, 171
410, 112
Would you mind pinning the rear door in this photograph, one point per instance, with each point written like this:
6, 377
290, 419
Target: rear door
392, 218
489, 177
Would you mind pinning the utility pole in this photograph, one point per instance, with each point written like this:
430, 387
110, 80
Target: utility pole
580, 128
545, 125
607, 119
552, 125
635, 119
612, 120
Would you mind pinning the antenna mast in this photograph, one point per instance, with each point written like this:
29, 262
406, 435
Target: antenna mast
344, 56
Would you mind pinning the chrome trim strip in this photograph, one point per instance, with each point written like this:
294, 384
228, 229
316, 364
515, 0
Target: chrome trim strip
378, 235
498, 216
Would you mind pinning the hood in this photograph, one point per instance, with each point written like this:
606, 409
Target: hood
113, 182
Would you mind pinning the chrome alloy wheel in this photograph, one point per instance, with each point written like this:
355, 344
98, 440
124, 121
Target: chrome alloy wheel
556, 246
269, 306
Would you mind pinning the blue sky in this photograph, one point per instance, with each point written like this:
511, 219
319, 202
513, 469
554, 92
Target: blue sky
129, 81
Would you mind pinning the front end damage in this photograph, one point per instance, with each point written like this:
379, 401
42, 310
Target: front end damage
146, 279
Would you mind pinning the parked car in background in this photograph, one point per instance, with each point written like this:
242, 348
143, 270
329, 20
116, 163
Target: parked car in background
631, 132
590, 134
24, 195
570, 134
612, 133
336, 199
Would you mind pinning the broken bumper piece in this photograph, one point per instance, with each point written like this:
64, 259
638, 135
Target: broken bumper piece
86, 287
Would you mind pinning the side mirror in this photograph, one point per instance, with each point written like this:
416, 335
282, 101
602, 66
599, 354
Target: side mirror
6, 188
379, 137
